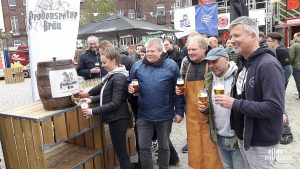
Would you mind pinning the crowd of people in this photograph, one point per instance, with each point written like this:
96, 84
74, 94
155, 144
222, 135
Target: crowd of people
241, 119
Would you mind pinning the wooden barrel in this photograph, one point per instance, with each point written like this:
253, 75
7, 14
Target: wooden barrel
44, 88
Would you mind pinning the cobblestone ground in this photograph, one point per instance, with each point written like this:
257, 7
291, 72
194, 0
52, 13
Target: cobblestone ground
288, 156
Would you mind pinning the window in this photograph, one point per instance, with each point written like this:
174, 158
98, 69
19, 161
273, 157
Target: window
14, 25
24, 2
12, 2
17, 43
172, 11
160, 9
131, 13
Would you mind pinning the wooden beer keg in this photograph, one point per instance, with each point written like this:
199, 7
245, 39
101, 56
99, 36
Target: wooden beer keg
44, 88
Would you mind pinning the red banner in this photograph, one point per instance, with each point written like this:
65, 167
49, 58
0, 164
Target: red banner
292, 4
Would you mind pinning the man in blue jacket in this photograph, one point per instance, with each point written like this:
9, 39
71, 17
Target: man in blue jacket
157, 76
258, 103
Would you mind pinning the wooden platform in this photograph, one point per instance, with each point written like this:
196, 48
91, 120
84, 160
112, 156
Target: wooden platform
33, 138
13, 75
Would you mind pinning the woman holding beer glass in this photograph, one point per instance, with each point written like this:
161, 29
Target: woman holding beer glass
113, 107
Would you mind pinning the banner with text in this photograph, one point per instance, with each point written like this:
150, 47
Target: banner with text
52, 28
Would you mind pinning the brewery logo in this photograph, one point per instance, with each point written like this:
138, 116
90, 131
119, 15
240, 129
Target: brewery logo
223, 21
206, 19
50, 15
185, 22
252, 81
68, 81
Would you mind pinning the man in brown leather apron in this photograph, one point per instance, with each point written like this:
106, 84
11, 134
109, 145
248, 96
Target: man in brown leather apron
203, 153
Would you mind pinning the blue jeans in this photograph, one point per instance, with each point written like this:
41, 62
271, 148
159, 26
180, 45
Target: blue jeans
296, 74
287, 70
231, 157
145, 132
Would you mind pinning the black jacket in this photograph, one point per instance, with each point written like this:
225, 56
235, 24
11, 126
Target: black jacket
115, 105
261, 105
86, 62
283, 56
175, 55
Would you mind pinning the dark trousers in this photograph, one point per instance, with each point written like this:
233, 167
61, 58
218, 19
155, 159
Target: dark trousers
118, 131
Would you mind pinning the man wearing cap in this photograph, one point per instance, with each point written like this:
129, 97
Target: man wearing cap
219, 118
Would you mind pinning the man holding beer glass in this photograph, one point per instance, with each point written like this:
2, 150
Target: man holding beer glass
219, 82
156, 76
202, 151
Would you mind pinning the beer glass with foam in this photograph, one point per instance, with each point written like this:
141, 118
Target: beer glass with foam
202, 96
218, 85
135, 85
180, 85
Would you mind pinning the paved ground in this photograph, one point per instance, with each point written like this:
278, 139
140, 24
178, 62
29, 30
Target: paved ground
13, 95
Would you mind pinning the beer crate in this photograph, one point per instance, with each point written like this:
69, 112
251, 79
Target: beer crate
13, 75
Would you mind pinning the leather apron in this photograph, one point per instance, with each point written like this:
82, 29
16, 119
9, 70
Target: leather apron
202, 152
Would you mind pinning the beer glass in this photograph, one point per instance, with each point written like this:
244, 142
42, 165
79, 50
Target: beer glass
97, 64
135, 85
202, 96
218, 85
84, 105
180, 85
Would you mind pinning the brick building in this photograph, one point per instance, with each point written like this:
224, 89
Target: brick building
14, 15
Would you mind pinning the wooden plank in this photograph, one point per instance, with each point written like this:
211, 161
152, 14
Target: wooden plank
20, 143
83, 123
69, 157
98, 162
72, 123
12, 147
32, 159
60, 130
89, 139
81, 167
38, 140
47, 129
89, 165
4, 143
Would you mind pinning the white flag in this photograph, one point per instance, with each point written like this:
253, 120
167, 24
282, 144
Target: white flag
52, 28
184, 20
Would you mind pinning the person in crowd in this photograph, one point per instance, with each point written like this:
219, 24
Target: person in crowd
143, 53
156, 75
124, 59
233, 56
262, 39
89, 65
213, 42
219, 118
258, 96
172, 52
295, 61
220, 43
113, 108
202, 152
282, 55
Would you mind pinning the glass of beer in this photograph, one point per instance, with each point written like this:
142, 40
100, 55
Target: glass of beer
202, 96
97, 64
84, 105
180, 85
218, 85
135, 85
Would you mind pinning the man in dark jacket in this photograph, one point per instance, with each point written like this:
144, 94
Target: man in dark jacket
173, 53
258, 103
156, 77
89, 64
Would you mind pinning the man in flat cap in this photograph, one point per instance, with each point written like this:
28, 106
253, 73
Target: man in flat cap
219, 117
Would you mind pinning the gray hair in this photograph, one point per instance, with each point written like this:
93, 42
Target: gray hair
155, 42
249, 25
201, 40
93, 38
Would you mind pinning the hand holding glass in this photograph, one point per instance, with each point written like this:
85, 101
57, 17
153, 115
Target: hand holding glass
218, 85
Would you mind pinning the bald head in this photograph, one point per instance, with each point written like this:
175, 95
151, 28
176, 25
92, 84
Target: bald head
213, 42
